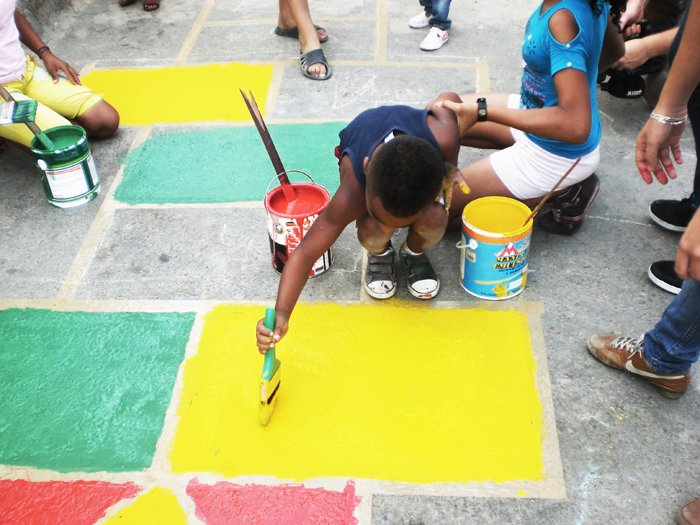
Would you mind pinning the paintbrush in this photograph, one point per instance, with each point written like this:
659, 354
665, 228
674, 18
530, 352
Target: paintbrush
40, 135
270, 377
17, 112
546, 197
254, 110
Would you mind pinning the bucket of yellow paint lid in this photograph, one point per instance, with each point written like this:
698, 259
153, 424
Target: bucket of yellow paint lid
287, 224
68, 173
495, 245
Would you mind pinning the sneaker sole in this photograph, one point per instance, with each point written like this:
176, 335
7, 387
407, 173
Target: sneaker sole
434, 49
665, 225
424, 296
376, 295
662, 284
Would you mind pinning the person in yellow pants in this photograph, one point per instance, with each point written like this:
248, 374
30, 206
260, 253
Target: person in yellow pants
56, 86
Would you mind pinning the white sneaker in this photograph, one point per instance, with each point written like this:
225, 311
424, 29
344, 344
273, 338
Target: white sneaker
435, 40
420, 21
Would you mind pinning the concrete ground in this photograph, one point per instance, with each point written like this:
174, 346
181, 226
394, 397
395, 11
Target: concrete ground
628, 454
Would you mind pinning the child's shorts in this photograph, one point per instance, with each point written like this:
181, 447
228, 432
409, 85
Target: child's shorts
529, 171
57, 102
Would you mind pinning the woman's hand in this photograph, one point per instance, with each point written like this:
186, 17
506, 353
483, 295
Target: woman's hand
656, 144
467, 113
54, 65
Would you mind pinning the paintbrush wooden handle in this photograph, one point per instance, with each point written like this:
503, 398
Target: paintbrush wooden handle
254, 111
546, 197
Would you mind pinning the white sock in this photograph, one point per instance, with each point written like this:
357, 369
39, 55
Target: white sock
405, 248
387, 252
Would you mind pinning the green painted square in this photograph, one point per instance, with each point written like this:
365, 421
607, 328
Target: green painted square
226, 164
86, 391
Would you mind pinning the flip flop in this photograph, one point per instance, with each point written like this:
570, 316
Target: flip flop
125, 3
150, 5
294, 33
314, 56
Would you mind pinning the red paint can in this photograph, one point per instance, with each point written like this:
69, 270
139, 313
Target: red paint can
287, 224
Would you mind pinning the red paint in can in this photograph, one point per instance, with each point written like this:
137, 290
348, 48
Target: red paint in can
288, 223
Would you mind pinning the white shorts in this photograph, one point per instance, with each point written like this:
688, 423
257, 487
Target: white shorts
529, 171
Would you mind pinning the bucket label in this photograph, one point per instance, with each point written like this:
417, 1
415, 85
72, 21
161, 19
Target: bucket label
285, 236
67, 183
494, 271
93, 171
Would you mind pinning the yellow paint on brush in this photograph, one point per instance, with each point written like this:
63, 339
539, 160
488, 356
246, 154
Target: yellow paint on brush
182, 94
156, 506
397, 392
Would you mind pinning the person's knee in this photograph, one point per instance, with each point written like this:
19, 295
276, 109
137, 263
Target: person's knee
372, 236
100, 121
432, 224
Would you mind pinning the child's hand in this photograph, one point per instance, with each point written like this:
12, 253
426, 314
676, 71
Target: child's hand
266, 338
467, 113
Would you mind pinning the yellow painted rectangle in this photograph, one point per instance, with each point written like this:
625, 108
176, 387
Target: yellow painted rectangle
397, 392
155, 507
182, 94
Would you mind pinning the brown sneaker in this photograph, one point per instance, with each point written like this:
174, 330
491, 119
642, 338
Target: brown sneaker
625, 353
690, 514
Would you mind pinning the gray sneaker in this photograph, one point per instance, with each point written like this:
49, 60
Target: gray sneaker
423, 282
380, 278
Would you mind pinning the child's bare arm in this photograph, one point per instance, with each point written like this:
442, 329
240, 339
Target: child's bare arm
347, 205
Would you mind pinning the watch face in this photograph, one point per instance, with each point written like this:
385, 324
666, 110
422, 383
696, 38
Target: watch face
482, 112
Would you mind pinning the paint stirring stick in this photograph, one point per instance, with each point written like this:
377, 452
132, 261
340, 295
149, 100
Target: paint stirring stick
254, 110
40, 135
546, 197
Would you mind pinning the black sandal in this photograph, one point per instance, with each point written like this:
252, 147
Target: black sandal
315, 56
294, 33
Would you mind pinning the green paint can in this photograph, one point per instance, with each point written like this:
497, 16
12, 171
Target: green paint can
68, 173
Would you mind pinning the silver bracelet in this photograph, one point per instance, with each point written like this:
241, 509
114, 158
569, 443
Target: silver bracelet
671, 121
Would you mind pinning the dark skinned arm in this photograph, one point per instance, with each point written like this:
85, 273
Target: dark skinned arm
347, 205
568, 121
613, 46
53, 64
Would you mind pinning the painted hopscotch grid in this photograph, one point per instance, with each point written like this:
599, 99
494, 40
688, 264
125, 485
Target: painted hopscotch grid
158, 476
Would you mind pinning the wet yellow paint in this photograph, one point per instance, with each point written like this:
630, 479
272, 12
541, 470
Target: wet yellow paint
182, 94
157, 506
393, 392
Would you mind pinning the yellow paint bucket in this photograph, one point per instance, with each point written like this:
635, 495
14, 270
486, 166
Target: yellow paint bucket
495, 245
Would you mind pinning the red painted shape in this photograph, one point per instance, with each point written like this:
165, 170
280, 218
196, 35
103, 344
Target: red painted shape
228, 504
53, 502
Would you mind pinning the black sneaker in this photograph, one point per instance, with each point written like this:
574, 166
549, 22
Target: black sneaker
663, 274
423, 282
566, 212
673, 215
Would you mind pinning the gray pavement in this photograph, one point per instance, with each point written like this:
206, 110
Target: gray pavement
628, 454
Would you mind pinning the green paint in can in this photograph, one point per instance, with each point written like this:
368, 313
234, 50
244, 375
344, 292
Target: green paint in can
68, 173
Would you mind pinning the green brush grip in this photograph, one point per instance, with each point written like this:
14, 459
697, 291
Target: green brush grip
269, 364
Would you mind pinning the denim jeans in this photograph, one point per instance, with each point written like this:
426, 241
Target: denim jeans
674, 343
440, 9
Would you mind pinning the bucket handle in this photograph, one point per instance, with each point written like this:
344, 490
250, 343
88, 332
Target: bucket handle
277, 178
473, 245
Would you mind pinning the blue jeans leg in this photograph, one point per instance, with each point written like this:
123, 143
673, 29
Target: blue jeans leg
674, 343
440, 9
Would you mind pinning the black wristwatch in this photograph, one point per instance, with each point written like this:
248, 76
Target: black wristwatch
482, 113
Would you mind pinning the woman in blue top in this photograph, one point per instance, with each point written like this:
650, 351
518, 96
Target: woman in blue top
552, 122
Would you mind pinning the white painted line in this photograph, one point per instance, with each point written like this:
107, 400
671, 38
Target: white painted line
194, 33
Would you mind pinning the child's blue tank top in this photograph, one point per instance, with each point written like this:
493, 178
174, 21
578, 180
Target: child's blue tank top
544, 56
372, 126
